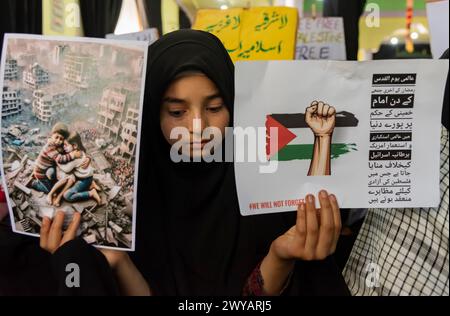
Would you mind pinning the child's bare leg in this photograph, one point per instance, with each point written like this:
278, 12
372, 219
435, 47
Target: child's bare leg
58, 185
93, 194
69, 184
94, 186
50, 198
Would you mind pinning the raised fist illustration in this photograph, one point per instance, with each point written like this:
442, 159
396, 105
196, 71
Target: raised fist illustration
321, 118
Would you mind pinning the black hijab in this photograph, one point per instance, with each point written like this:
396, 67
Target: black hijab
191, 238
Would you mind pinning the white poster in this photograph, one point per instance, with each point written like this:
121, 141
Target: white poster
321, 38
437, 13
148, 35
70, 131
369, 132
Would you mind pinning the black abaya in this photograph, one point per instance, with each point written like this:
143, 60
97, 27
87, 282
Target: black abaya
191, 238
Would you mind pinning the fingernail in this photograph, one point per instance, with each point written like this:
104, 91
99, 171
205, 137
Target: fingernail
332, 197
323, 194
310, 198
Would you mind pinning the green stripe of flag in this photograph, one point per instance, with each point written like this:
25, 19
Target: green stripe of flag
305, 151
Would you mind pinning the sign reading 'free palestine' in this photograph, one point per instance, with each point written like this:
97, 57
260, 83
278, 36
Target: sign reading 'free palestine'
321, 38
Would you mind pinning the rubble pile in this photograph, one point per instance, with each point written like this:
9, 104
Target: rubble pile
123, 173
90, 134
19, 134
109, 224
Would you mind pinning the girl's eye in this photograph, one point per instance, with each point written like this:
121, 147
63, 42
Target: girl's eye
215, 108
176, 113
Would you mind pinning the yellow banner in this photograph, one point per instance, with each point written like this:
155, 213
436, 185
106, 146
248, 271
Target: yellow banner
170, 16
261, 33
225, 24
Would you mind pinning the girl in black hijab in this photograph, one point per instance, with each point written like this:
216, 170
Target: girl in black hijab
191, 238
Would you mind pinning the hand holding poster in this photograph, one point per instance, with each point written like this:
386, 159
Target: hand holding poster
367, 132
70, 129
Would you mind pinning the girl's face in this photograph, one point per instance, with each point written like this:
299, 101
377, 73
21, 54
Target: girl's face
191, 97
70, 147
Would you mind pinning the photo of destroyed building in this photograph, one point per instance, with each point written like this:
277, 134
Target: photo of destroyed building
95, 90
34, 76
11, 102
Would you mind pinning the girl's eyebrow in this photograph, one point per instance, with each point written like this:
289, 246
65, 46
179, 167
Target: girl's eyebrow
213, 96
173, 100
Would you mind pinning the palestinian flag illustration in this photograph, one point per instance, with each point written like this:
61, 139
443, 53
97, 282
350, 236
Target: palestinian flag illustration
296, 140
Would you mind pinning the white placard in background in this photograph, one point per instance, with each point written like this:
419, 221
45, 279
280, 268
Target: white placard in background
148, 35
321, 38
437, 13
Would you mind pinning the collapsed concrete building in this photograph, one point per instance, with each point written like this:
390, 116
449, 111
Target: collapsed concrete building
47, 101
59, 52
11, 102
129, 133
79, 69
35, 76
11, 69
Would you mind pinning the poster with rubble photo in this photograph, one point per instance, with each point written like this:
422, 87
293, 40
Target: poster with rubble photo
70, 130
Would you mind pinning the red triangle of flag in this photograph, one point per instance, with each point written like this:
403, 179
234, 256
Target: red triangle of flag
285, 136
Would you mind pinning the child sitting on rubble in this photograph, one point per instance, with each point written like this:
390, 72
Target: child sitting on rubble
75, 178
44, 172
